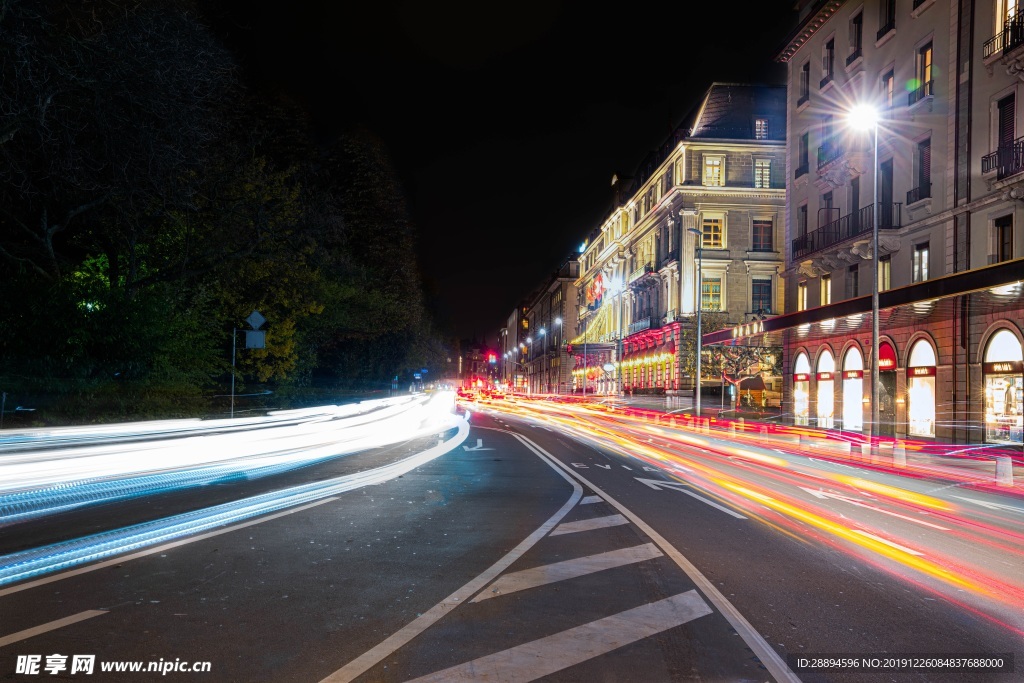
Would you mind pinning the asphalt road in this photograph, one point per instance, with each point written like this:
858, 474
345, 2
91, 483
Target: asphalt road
535, 551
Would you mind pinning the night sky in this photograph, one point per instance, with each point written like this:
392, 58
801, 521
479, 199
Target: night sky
505, 121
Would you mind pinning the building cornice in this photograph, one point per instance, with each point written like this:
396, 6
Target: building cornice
815, 19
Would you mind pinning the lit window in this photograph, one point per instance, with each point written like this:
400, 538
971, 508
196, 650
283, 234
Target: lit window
884, 273
712, 234
763, 173
760, 129
801, 296
713, 171
711, 294
921, 254
826, 290
888, 86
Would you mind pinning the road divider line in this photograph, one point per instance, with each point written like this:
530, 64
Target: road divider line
589, 524
754, 640
568, 569
372, 657
888, 543
545, 656
50, 626
589, 500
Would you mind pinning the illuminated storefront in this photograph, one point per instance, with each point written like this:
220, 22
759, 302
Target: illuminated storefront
801, 389
826, 389
853, 390
1004, 389
921, 389
887, 389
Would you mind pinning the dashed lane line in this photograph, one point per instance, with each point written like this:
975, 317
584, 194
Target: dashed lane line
589, 524
568, 569
545, 656
50, 626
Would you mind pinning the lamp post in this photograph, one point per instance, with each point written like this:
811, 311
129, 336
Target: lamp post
547, 380
558, 321
700, 305
866, 117
532, 370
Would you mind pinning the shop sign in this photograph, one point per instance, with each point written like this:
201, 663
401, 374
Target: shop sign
824, 376
801, 377
886, 357
853, 374
1006, 367
921, 372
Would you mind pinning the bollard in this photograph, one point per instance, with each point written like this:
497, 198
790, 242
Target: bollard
1004, 471
899, 454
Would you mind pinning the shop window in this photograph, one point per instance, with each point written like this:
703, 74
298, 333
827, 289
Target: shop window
801, 389
826, 389
921, 389
853, 390
1004, 389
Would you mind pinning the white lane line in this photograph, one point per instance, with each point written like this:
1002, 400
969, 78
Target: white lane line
712, 504
589, 524
545, 656
588, 500
569, 569
159, 549
775, 664
888, 543
50, 626
372, 657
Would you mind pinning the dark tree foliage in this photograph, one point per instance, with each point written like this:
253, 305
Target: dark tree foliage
149, 202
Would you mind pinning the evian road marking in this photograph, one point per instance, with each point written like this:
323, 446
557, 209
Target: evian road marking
569, 569
589, 524
543, 657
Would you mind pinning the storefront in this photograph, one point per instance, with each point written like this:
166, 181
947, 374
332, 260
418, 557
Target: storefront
1004, 389
921, 389
801, 390
826, 396
886, 389
853, 390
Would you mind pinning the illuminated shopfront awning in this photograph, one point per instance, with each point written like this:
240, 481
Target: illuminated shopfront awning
992, 289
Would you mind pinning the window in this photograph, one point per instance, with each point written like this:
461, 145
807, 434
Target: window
886, 18
805, 83
762, 237
801, 296
923, 163
762, 173
884, 273
852, 281
713, 171
801, 220
1004, 238
761, 295
888, 88
711, 294
924, 85
712, 236
921, 253
802, 155
760, 129
1006, 128
856, 37
826, 290
828, 62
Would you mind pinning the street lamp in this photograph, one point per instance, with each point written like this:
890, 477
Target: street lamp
618, 289
700, 304
547, 380
558, 321
531, 369
866, 117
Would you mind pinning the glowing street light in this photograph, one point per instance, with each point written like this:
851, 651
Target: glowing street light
866, 117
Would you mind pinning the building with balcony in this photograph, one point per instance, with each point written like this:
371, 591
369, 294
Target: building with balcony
948, 181
552, 316
715, 189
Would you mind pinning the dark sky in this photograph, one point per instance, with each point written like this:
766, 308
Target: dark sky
505, 121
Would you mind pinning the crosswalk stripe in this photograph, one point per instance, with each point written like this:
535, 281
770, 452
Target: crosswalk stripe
545, 656
588, 500
569, 569
589, 524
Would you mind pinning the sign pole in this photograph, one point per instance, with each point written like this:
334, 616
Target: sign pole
234, 337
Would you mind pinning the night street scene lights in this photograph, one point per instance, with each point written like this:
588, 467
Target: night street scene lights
865, 117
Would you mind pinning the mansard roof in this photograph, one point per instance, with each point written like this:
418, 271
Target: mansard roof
729, 110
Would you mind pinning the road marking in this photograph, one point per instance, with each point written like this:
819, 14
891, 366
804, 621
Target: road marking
854, 501
993, 506
888, 543
545, 656
478, 447
775, 664
371, 658
50, 626
589, 524
588, 500
569, 569
658, 485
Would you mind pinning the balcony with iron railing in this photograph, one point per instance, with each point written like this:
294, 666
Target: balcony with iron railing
889, 25
927, 89
1006, 161
826, 79
801, 170
1010, 37
802, 100
854, 56
670, 256
919, 193
847, 227
640, 272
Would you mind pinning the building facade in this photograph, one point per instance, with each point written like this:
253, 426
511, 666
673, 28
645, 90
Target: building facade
703, 214
551, 314
944, 181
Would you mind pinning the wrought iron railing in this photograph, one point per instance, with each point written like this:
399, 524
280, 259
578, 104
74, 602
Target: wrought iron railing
1008, 160
803, 99
886, 27
919, 193
829, 76
641, 325
801, 170
850, 225
854, 56
641, 271
1008, 38
828, 153
926, 90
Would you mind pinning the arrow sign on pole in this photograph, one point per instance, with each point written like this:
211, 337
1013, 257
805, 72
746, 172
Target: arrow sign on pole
658, 485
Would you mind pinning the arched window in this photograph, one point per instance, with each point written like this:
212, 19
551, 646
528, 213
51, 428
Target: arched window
826, 389
921, 389
853, 390
1004, 388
